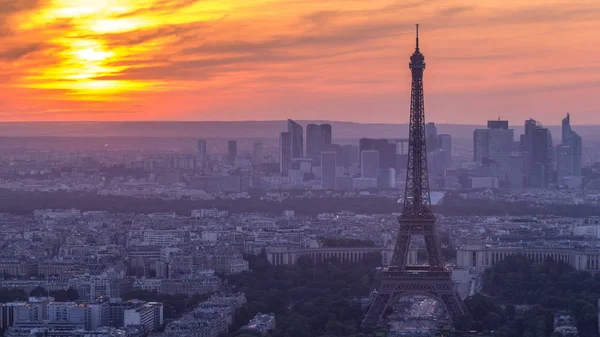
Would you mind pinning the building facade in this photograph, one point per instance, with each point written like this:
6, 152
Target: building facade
318, 138
231, 152
369, 164
569, 152
296, 134
285, 153
483, 256
328, 170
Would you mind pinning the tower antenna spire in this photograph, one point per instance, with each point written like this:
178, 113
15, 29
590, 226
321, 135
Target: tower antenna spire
417, 25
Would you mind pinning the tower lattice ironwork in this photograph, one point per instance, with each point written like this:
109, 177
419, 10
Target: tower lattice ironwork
401, 279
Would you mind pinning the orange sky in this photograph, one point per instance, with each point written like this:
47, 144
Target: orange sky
302, 59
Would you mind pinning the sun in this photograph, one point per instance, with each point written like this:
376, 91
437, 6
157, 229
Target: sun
92, 57
86, 65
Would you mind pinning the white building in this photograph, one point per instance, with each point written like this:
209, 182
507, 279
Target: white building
148, 315
483, 256
66, 314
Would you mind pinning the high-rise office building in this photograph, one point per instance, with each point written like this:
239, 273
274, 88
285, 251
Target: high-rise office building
369, 163
542, 158
328, 170
538, 154
431, 136
257, 174
386, 178
387, 151
527, 145
437, 162
285, 153
494, 143
231, 152
349, 155
569, 152
493, 148
564, 161
481, 145
257, 153
296, 133
497, 124
202, 154
318, 138
444, 144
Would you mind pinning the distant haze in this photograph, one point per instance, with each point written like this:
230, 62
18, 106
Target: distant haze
239, 130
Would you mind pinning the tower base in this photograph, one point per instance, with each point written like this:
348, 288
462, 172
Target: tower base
413, 281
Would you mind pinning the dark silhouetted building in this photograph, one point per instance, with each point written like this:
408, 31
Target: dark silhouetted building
231, 152
349, 155
569, 151
202, 154
494, 146
538, 155
328, 170
296, 133
369, 163
385, 147
431, 136
318, 138
257, 153
285, 153
444, 147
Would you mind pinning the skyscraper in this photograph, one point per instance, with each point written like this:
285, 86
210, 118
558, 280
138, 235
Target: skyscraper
386, 178
349, 155
493, 148
431, 136
328, 170
232, 152
538, 154
444, 144
481, 145
369, 163
257, 153
542, 158
569, 151
527, 145
494, 143
387, 151
202, 155
318, 138
296, 133
285, 152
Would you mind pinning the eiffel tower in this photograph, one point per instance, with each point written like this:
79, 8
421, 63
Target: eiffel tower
400, 279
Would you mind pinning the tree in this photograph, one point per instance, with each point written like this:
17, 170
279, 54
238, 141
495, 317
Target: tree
38, 292
463, 322
492, 321
308, 299
68, 295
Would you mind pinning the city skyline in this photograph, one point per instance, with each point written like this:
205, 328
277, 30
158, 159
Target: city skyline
188, 60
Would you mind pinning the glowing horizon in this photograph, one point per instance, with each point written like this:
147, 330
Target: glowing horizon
345, 60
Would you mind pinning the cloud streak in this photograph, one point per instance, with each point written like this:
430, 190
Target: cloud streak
189, 58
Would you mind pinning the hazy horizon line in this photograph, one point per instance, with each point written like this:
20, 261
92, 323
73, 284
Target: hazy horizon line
266, 120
